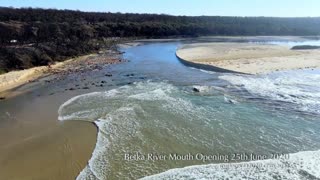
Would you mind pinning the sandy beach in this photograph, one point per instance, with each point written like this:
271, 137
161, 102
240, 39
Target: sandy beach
33, 143
249, 58
17, 78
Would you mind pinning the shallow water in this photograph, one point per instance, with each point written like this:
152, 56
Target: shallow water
162, 117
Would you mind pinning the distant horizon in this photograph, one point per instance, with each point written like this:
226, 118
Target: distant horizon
233, 8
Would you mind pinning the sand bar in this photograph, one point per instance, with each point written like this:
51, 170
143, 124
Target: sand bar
249, 58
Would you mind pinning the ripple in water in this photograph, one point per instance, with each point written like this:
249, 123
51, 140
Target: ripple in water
161, 118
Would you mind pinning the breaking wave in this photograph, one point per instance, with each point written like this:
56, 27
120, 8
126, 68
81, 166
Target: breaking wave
157, 117
302, 165
299, 88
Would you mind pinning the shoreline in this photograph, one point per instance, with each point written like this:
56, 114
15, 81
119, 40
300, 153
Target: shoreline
13, 79
11, 82
246, 58
206, 67
29, 128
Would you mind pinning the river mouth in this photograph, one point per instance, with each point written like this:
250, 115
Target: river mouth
161, 115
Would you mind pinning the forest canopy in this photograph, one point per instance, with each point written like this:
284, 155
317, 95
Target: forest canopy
29, 24
57, 34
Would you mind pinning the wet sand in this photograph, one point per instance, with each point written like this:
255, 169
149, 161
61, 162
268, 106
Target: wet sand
33, 143
249, 58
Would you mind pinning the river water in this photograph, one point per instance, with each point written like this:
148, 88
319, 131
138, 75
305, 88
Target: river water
160, 123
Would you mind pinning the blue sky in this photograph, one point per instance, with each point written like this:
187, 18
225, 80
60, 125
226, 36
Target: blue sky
280, 8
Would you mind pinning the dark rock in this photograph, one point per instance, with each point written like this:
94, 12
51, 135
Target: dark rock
85, 88
108, 75
101, 85
195, 90
72, 89
103, 82
130, 75
2, 98
305, 47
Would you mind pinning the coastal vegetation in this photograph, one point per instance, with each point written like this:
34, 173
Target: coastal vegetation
32, 37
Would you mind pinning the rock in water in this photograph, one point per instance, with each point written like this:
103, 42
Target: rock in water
195, 90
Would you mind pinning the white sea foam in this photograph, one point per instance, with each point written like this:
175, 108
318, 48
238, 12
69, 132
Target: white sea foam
81, 107
302, 165
124, 113
117, 114
300, 88
117, 125
209, 72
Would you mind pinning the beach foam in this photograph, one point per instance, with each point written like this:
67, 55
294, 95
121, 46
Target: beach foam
161, 118
302, 165
301, 88
118, 114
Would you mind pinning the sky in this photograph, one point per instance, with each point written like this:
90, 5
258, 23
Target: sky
275, 8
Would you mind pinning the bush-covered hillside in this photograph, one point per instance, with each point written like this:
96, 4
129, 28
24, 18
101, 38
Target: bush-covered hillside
31, 37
